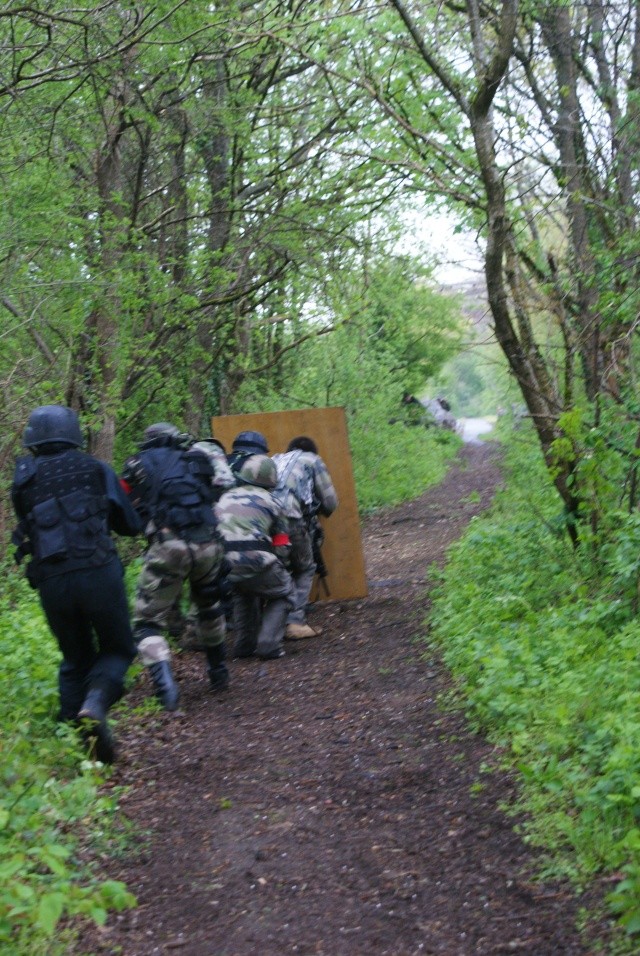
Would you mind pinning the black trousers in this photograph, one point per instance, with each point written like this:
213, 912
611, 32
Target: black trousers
88, 614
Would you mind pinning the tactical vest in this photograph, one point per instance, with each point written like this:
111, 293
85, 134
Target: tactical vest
64, 500
177, 491
236, 460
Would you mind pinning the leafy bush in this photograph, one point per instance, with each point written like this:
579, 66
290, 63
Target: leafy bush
393, 463
49, 798
544, 642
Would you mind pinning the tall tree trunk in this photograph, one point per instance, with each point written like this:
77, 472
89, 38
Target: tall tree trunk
523, 356
213, 145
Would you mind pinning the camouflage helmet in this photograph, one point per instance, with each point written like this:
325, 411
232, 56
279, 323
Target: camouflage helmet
259, 470
52, 423
253, 442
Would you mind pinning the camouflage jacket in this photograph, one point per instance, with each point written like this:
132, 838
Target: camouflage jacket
304, 485
249, 518
223, 477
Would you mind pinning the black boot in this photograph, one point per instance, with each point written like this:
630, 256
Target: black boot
166, 688
73, 690
94, 727
217, 670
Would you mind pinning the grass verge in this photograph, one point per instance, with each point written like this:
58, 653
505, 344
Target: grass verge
544, 642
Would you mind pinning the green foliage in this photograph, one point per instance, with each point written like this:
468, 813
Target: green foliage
391, 462
411, 328
544, 643
598, 449
476, 381
148, 245
49, 798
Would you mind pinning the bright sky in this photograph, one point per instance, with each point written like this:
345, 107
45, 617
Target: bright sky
458, 253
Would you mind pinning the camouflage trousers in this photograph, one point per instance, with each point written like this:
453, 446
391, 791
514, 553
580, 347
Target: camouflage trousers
169, 563
260, 607
302, 569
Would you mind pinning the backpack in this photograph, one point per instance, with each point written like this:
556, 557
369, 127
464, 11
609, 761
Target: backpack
179, 493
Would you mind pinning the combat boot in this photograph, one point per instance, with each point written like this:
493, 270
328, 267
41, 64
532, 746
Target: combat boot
217, 670
94, 727
166, 688
298, 632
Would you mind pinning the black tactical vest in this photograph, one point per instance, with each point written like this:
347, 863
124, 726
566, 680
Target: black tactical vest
237, 459
177, 491
65, 528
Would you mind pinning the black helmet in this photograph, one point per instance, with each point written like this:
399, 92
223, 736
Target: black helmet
52, 423
213, 441
161, 430
164, 435
253, 442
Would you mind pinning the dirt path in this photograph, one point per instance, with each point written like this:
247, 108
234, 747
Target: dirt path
326, 805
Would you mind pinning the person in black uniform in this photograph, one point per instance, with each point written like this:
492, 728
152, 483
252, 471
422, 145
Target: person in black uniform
67, 504
244, 445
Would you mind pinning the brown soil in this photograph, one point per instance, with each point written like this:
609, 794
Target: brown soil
327, 804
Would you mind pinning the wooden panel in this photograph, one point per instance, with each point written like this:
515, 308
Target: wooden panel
342, 549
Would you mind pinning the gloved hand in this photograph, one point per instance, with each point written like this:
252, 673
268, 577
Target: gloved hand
283, 553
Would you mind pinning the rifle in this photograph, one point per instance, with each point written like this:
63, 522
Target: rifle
317, 537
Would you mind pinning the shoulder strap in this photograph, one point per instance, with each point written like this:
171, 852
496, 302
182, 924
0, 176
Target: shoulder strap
26, 468
283, 478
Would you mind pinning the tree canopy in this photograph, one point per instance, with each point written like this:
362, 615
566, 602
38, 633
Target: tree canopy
524, 118
190, 191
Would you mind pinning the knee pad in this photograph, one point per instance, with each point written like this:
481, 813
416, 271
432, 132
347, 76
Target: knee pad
153, 649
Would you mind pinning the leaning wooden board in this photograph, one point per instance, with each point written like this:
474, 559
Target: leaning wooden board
342, 549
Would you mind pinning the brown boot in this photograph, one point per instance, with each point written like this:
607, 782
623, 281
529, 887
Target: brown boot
298, 632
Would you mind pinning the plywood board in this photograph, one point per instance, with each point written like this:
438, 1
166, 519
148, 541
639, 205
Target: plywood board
342, 548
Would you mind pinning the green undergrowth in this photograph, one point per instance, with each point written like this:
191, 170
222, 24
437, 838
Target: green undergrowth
544, 644
51, 804
394, 463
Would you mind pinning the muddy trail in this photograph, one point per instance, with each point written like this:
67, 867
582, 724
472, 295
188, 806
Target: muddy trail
328, 804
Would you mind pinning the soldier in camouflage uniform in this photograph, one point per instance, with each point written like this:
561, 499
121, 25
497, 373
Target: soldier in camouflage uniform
185, 628
306, 490
254, 532
169, 484
414, 413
